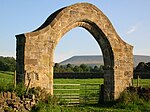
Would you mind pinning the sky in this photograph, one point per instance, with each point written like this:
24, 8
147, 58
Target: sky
130, 18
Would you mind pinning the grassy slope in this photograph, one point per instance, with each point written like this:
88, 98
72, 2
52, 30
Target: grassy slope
6, 77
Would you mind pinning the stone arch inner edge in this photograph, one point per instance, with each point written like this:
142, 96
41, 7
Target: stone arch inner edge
99, 36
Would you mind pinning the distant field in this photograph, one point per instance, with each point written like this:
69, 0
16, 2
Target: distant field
78, 81
8, 77
142, 82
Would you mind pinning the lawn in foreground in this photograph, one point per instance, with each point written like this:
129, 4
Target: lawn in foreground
6, 79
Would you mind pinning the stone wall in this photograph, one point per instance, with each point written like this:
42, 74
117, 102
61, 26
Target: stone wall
9, 102
36, 49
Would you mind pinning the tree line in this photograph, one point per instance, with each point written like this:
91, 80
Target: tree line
7, 64
142, 67
77, 69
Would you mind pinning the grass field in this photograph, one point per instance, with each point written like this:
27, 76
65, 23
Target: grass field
6, 78
142, 82
78, 81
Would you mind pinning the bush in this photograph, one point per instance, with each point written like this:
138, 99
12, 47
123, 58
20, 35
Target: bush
7, 64
6, 87
48, 104
128, 97
20, 89
131, 101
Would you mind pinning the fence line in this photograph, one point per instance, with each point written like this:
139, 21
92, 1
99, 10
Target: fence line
75, 94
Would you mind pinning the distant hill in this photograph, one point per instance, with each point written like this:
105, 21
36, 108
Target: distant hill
93, 60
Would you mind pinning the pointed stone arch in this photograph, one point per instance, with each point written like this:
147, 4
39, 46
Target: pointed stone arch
35, 50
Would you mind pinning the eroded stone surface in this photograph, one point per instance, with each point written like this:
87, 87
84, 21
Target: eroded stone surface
35, 50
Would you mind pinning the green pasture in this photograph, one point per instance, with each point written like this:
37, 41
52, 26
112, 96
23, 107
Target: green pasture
8, 78
78, 81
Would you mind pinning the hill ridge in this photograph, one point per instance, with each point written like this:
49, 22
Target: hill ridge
93, 60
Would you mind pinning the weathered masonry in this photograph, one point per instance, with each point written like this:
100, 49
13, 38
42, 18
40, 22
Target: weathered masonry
35, 50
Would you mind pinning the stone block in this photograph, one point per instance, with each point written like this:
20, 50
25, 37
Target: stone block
1, 95
13, 95
31, 62
8, 94
4, 94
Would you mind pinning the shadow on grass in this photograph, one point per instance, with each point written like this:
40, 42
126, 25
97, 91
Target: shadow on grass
6, 72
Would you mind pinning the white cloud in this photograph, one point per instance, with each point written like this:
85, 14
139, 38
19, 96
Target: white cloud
131, 30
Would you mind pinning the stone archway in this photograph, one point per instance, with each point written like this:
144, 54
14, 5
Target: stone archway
35, 50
